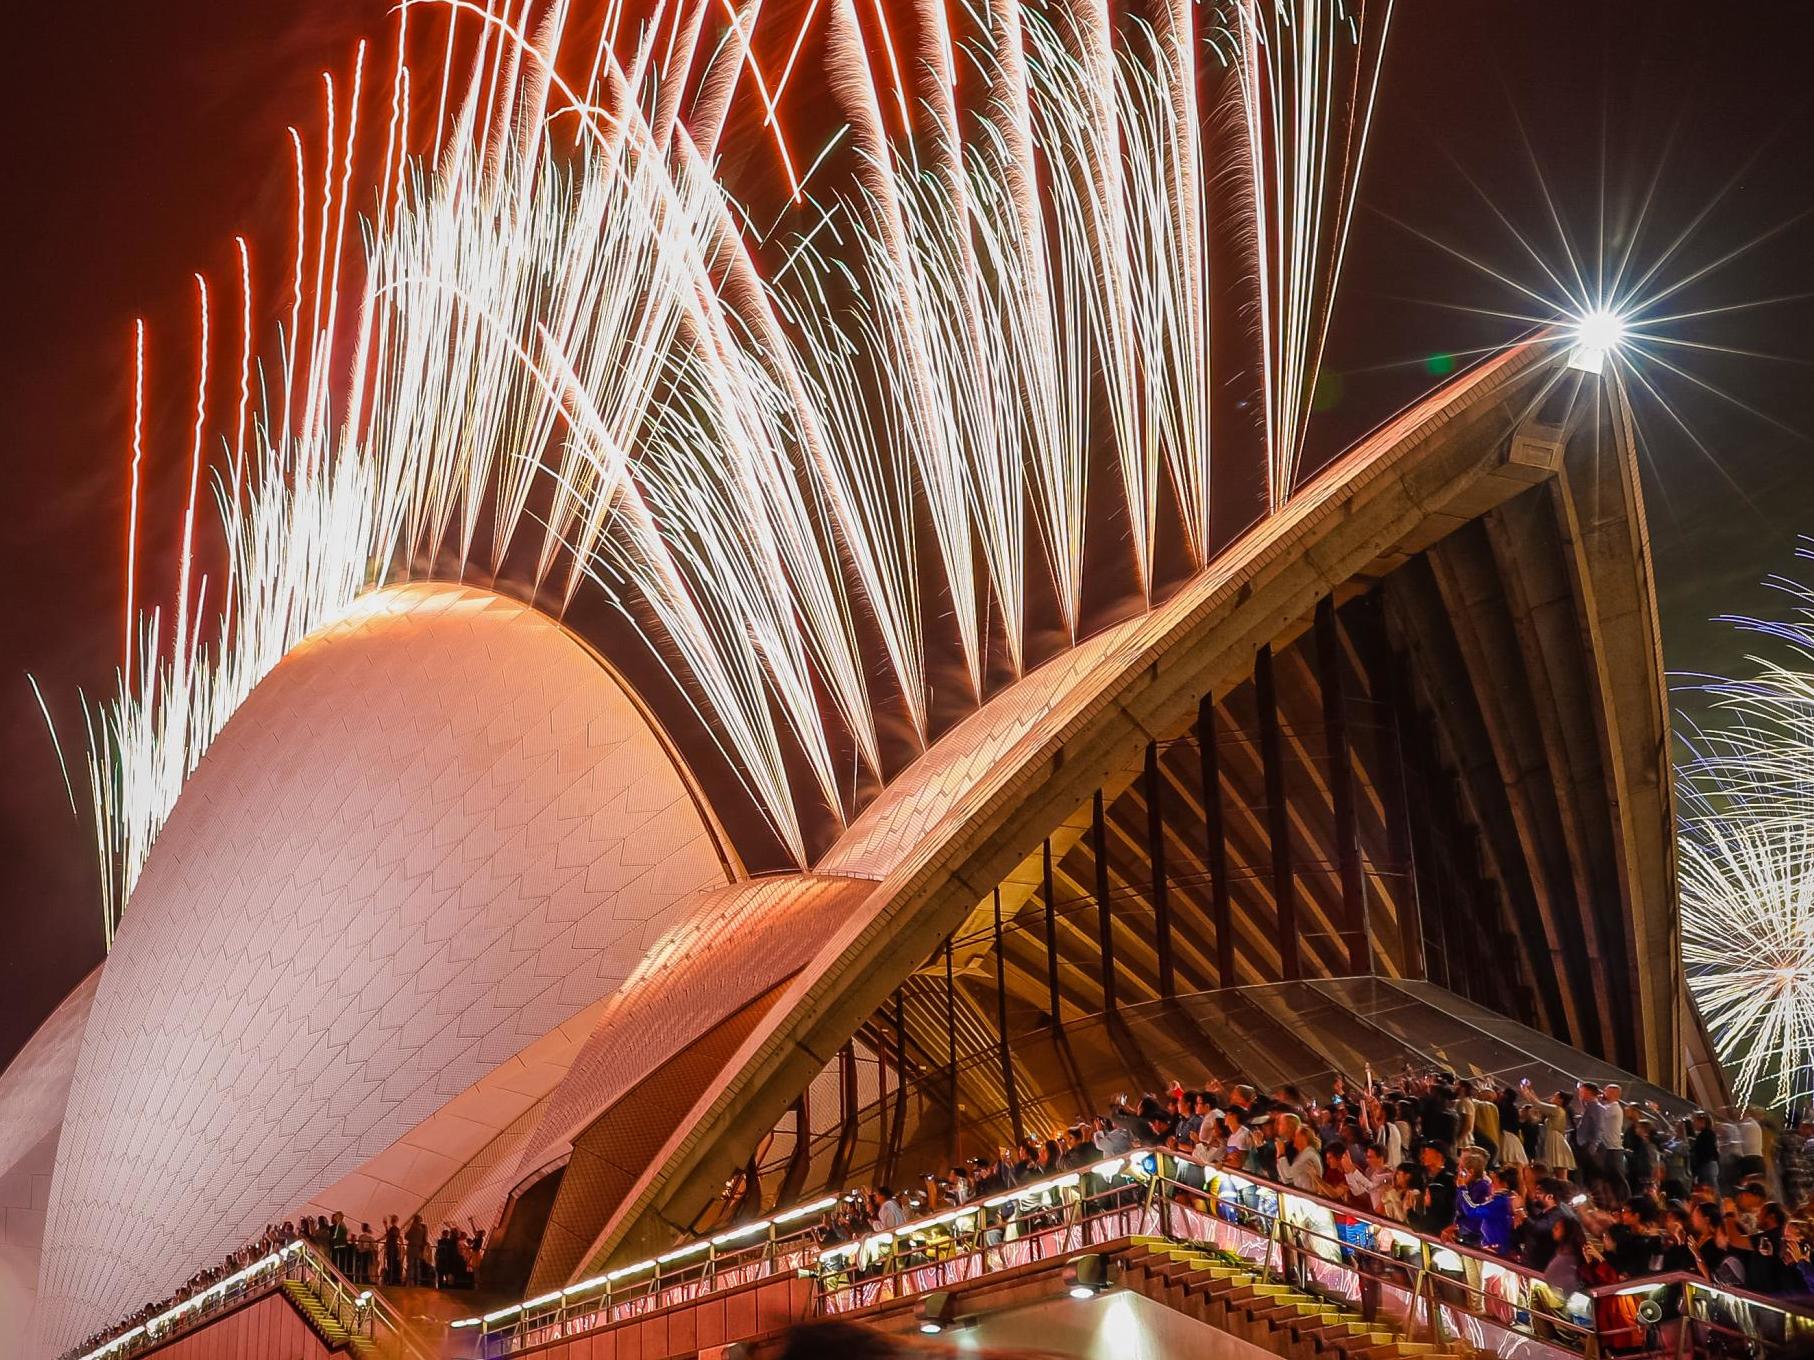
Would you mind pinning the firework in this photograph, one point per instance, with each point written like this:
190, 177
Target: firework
1746, 848
771, 448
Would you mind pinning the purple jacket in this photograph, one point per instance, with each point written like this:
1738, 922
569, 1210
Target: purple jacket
1483, 1217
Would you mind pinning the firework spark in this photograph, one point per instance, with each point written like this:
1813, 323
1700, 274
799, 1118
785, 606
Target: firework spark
1746, 849
772, 450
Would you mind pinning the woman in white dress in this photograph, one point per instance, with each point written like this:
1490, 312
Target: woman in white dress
1553, 1146
1505, 1144
1511, 1148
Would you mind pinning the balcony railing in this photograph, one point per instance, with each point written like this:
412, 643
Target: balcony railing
1416, 1286
784, 1244
359, 1311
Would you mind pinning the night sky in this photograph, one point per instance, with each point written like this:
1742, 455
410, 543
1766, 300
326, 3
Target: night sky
140, 143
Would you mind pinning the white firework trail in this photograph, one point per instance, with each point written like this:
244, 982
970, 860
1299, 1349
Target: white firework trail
1308, 74
1746, 850
744, 437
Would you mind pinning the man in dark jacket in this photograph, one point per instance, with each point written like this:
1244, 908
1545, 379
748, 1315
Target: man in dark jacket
1079, 1151
1438, 1209
415, 1246
393, 1251
1635, 1245
1537, 1238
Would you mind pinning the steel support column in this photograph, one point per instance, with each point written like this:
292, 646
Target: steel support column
1155, 853
1278, 815
800, 1159
898, 1125
1341, 787
1215, 847
951, 1046
1391, 697
850, 1114
1001, 1024
1049, 892
1099, 843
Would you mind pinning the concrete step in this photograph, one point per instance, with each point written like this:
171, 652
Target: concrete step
1340, 1327
1199, 1281
1363, 1342
1259, 1289
1188, 1270
1230, 1293
1270, 1314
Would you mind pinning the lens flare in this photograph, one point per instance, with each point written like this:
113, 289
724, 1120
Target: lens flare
1597, 337
1618, 283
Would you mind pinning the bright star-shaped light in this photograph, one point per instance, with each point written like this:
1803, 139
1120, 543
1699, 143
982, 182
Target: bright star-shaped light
1597, 334
1601, 330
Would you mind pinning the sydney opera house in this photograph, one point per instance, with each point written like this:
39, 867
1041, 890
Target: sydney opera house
464, 911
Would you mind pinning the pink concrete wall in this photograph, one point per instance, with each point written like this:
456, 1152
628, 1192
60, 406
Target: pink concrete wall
686, 1330
269, 1329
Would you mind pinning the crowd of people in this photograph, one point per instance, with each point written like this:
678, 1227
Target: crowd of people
1581, 1187
399, 1254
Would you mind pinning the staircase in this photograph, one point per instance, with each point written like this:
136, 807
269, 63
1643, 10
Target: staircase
326, 1326
1229, 1294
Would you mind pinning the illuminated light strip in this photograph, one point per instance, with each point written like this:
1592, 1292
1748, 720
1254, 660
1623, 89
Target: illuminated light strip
691, 1249
1106, 1169
747, 1230
816, 1207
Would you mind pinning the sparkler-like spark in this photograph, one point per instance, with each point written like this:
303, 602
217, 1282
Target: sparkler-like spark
1746, 850
773, 450
1308, 75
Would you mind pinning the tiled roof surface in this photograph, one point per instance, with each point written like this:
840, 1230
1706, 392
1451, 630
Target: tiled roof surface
433, 835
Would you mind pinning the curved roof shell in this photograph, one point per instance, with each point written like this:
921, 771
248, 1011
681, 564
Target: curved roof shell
435, 834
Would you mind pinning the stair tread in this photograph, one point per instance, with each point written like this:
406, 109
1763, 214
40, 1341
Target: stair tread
1213, 1280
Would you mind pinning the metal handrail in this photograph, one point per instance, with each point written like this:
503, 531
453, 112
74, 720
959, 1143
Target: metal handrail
1437, 1290
1275, 1236
786, 1242
262, 1275
1402, 1280
1704, 1309
361, 1312
1450, 1290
